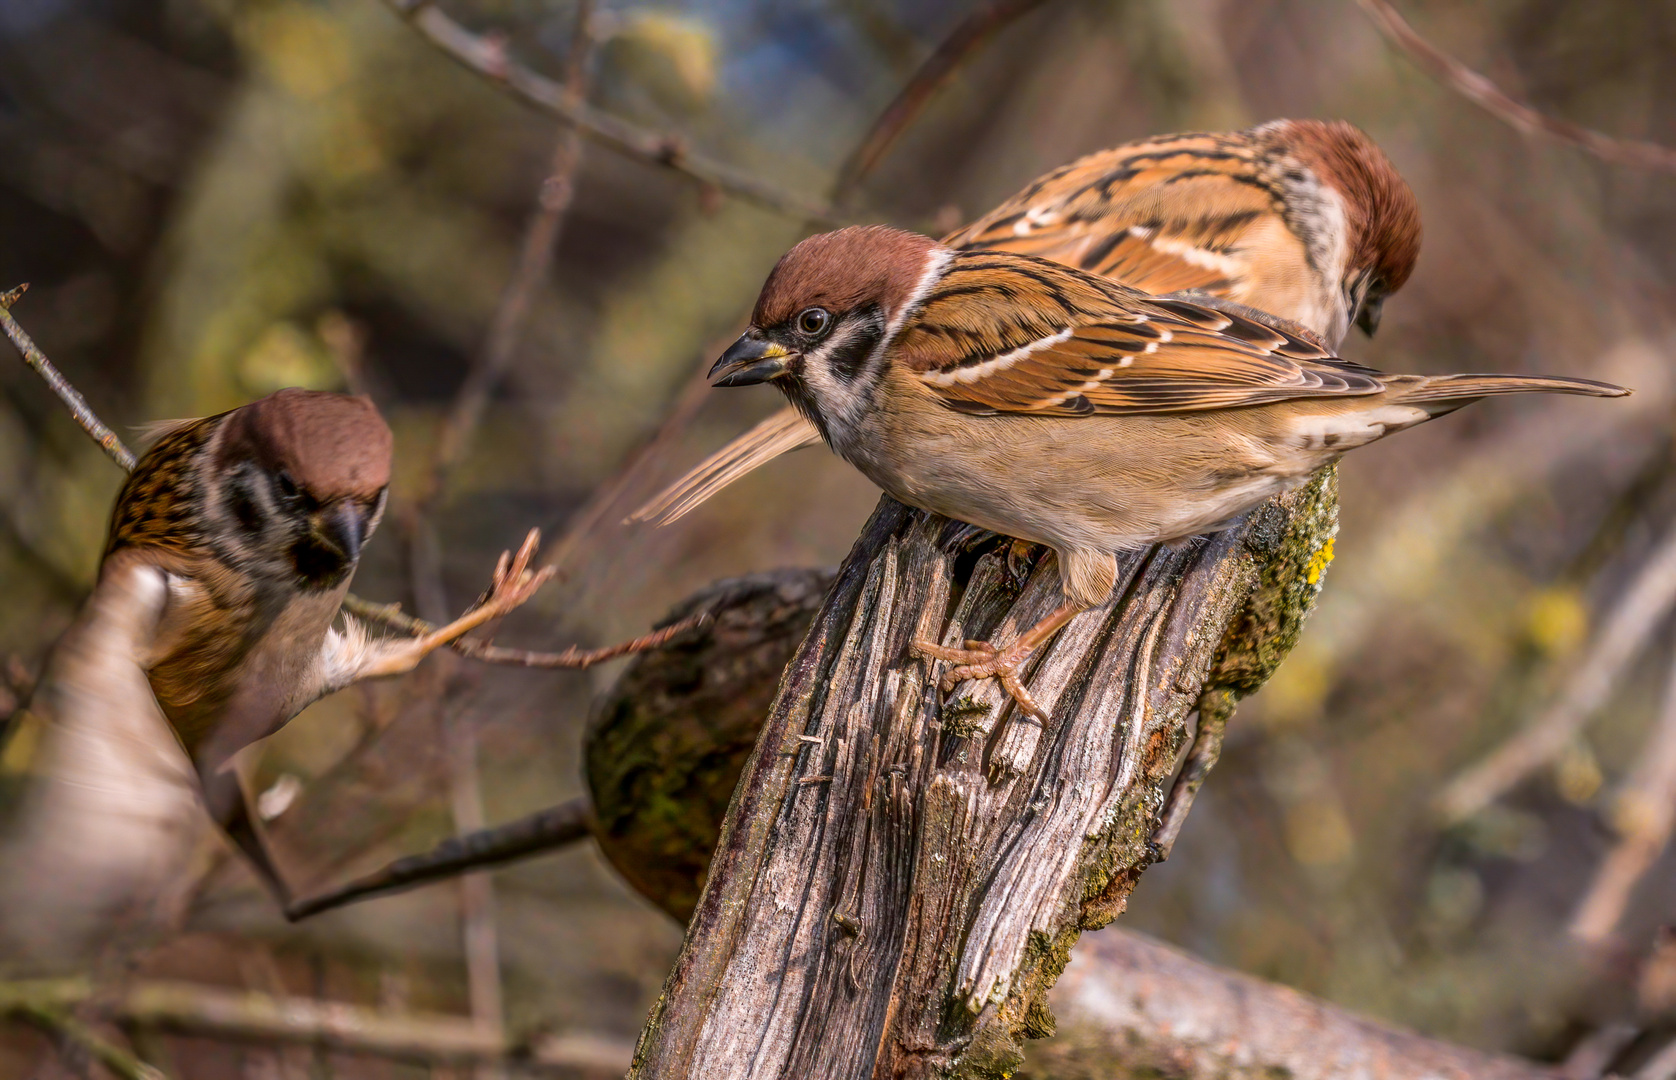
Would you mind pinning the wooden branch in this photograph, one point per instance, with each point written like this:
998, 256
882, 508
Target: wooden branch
1489, 97
393, 616
1625, 631
422, 1038
72, 399
488, 58
899, 879
974, 31
534, 834
1130, 1008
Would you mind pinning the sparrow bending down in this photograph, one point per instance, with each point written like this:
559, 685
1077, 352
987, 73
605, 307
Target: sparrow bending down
256, 519
1303, 219
1045, 403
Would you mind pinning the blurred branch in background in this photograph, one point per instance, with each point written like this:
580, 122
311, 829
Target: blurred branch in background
1487, 96
1625, 631
973, 32
535, 258
430, 1039
1642, 815
488, 57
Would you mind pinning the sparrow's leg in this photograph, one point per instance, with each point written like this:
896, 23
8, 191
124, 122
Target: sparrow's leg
514, 583
981, 660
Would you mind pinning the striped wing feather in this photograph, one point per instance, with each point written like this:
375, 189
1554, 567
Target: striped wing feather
1013, 334
1162, 215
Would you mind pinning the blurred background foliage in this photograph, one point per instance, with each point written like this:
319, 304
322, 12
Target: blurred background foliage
213, 199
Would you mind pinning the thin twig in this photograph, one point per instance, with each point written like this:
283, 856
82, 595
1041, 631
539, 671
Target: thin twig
1215, 708
35, 358
488, 57
1644, 814
974, 31
1489, 97
391, 615
1624, 632
542, 831
535, 258
73, 1034
244, 1016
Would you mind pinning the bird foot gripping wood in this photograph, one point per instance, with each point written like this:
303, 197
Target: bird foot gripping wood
512, 585
982, 660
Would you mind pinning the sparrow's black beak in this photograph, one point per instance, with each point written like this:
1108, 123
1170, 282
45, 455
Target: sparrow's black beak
1368, 317
749, 361
343, 527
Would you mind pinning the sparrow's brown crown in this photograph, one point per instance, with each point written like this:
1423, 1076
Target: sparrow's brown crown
839, 271
1383, 217
334, 446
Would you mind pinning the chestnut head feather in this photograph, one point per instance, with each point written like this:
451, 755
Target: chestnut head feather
1382, 217
332, 445
828, 306
840, 270
283, 490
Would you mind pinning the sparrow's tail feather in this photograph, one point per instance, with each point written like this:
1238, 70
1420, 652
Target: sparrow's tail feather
1438, 394
781, 433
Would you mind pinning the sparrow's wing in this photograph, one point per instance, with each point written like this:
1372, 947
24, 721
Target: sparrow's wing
1001, 334
108, 815
1172, 214
1181, 212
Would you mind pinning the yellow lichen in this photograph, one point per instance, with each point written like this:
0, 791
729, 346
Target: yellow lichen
1319, 562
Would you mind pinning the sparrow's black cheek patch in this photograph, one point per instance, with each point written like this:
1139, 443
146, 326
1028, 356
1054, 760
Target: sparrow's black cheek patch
849, 357
241, 500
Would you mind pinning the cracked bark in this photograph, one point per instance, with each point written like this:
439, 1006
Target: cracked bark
899, 879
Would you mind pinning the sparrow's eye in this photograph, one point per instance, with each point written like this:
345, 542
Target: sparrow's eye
288, 489
814, 321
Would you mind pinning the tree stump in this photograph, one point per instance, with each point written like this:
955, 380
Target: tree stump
900, 877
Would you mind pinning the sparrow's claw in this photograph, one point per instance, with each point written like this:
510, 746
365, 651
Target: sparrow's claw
513, 582
981, 660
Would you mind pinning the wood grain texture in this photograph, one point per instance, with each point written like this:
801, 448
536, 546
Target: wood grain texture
900, 878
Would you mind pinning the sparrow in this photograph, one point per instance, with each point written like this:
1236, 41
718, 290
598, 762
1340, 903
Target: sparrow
1303, 219
255, 519
1049, 404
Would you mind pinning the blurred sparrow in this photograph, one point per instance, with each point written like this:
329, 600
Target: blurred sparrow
1302, 219
1045, 403
256, 519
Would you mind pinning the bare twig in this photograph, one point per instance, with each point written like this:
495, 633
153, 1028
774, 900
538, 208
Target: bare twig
1624, 632
423, 1038
1215, 708
391, 615
35, 358
974, 31
488, 58
544, 830
535, 257
1644, 814
1489, 97
74, 1036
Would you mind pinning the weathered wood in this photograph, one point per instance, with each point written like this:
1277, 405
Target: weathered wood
1131, 1008
900, 878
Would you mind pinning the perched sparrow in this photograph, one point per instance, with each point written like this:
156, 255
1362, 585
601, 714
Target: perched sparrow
1045, 403
1302, 219
256, 519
